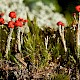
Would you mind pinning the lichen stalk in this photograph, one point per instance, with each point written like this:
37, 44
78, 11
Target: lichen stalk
78, 35
62, 37
8, 41
46, 42
21, 37
18, 39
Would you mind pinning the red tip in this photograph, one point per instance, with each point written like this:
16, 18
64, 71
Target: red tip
74, 14
2, 21
25, 20
20, 19
60, 23
78, 8
1, 14
18, 23
10, 24
12, 14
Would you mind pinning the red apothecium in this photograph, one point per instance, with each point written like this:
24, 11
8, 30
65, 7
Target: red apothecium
2, 21
20, 19
18, 23
60, 23
12, 14
10, 24
25, 21
63, 24
78, 8
74, 14
1, 14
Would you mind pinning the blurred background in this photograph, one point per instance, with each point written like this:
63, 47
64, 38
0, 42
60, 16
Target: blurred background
66, 7
50, 9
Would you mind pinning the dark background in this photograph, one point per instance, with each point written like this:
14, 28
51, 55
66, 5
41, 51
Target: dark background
68, 5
